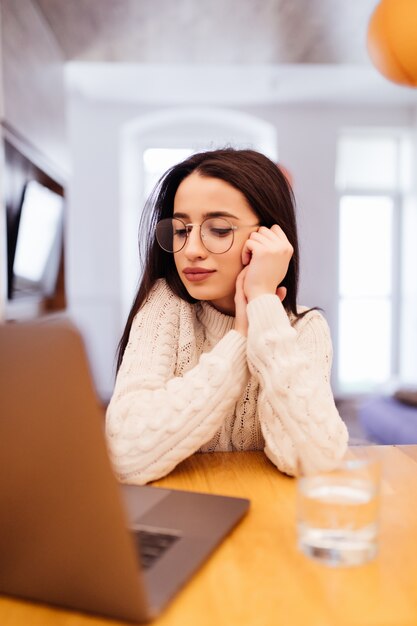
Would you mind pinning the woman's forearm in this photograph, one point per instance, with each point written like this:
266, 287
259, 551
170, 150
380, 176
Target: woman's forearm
299, 419
154, 421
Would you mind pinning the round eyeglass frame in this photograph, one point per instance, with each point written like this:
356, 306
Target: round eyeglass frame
188, 228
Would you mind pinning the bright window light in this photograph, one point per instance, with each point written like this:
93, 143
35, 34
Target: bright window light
365, 286
364, 343
365, 236
157, 161
372, 176
368, 162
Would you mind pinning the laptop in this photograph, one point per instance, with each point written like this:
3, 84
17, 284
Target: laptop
70, 535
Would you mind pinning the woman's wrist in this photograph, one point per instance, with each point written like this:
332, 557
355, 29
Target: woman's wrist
259, 291
242, 329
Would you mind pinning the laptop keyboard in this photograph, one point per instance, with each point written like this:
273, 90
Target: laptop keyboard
152, 545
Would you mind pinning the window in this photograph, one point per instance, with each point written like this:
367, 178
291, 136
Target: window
156, 161
371, 176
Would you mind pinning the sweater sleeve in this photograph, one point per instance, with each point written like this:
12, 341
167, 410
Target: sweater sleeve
155, 419
296, 409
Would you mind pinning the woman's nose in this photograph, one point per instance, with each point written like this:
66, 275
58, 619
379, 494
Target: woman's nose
194, 246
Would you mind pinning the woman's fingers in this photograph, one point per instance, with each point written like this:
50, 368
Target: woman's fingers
266, 254
246, 254
274, 236
241, 318
260, 244
239, 281
270, 233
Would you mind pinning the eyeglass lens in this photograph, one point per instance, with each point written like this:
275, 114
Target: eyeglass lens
216, 234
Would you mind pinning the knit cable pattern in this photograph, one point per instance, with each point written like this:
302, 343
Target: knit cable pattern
296, 409
184, 386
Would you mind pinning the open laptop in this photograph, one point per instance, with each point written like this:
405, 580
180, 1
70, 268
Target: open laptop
63, 516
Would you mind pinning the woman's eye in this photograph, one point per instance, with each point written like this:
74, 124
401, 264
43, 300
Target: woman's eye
220, 232
180, 232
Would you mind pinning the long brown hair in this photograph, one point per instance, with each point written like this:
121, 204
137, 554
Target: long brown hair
264, 186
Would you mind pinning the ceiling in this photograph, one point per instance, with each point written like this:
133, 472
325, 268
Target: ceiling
211, 31
220, 51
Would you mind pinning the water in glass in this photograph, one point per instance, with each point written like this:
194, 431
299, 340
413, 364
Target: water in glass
338, 518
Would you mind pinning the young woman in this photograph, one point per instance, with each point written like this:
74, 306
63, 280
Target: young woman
216, 355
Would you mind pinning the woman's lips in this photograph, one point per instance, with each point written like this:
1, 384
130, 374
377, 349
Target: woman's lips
197, 274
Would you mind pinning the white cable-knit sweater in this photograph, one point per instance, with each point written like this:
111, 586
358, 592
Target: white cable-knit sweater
189, 382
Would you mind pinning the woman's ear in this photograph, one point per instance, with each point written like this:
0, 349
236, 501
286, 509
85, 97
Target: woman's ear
281, 293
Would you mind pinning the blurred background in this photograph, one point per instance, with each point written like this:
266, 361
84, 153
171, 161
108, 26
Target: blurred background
99, 97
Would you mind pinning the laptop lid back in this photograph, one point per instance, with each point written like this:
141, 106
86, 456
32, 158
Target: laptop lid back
59, 501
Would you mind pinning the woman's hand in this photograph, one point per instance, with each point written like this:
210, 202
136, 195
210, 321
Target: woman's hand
266, 255
241, 317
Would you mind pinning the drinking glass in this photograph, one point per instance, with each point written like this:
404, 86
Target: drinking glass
337, 512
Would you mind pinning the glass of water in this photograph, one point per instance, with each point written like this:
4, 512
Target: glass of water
337, 512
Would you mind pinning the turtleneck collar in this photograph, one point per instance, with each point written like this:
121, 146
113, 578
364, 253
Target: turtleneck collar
216, 323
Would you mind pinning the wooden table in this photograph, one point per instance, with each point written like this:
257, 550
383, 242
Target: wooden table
257, 576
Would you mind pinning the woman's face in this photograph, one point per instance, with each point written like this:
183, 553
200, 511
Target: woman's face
197, 198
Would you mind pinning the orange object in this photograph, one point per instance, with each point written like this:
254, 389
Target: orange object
392, 40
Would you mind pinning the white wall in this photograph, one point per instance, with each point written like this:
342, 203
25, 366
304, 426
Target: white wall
92, 234
32, 102
307, 139
33, 83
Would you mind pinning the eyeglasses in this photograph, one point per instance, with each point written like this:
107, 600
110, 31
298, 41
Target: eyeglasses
217, 234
